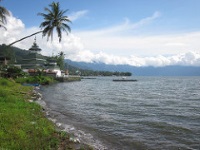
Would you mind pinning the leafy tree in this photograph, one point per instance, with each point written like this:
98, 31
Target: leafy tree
60, 60
14, 72
54, 19
3, 14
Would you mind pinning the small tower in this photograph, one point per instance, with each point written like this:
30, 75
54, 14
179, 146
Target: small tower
35, 48
33, 59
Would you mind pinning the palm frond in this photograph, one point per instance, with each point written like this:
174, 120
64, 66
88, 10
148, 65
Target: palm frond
54, 19
3, 16
58, 29
2, 26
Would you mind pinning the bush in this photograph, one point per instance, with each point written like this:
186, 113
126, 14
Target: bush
36, 79
12, 72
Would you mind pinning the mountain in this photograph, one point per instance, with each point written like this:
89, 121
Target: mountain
139, 71
95, 66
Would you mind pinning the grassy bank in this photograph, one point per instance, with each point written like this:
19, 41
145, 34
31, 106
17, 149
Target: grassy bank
23, 124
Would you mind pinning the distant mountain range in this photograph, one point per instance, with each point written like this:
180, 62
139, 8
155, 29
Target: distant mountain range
139, 71
136, 71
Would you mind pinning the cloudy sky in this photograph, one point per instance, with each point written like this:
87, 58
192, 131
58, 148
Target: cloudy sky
134, 32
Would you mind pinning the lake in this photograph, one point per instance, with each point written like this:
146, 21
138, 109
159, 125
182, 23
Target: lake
155, 113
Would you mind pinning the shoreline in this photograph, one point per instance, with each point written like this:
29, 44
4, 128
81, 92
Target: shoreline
74, 136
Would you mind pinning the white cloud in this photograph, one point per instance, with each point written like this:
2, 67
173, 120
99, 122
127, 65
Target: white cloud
16, 30
90, 46
185, 59
118, 29
142, 45
147, 20
77, 15
14, 27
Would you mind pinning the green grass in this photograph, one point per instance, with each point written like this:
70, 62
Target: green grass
23, 125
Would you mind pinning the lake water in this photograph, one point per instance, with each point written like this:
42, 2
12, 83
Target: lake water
154, 113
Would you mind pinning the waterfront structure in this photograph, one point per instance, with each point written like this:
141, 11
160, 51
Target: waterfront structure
34, 61
52, 69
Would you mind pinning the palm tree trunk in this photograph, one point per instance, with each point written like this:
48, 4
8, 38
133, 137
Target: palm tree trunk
25, 38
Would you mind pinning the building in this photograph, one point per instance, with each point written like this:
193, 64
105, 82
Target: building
52, 69
34, 61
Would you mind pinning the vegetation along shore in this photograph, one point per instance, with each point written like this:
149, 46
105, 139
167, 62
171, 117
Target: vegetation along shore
23, 122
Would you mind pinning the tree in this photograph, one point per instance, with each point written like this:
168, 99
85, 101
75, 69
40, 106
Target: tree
3, 14
54, 19
60, 60
14, 72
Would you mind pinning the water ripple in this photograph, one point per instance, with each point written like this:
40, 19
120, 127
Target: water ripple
154, 113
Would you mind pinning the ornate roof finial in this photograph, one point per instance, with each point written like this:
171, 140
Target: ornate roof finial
35, 39
35, 48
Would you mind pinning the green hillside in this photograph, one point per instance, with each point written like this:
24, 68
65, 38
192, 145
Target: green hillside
17, 54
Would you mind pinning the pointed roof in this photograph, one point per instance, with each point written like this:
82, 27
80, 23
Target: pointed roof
35, 47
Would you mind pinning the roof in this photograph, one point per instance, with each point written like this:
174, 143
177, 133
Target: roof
35, 47
34, 56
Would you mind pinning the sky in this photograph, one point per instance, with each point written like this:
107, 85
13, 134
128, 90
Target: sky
133, 32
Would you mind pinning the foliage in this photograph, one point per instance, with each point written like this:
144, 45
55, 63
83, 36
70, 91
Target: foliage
84, 72
23, 124
13, 52
19, 53
44, 80
60, 60
11, 72
14, 72
3, 14
7, 52
54, 19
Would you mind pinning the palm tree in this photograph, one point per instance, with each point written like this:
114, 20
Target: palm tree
54, 19
3, 14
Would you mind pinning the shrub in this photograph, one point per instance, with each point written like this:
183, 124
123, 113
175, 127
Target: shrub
13, 72
35, 79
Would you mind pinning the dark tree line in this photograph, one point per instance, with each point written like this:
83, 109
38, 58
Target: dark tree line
84, 72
